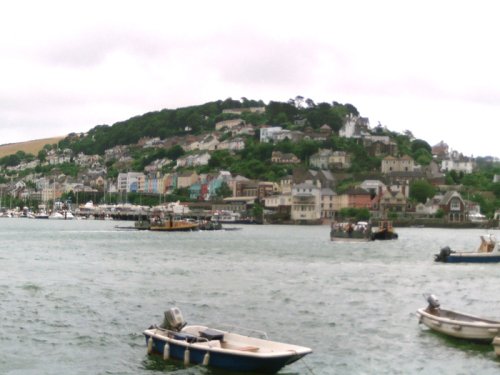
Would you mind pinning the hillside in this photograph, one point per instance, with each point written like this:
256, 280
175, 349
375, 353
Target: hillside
29, 147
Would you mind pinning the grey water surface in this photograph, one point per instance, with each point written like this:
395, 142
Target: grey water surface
76, 296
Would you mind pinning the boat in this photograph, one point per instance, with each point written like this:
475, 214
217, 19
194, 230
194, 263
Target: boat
384, 231
209, 225
142, 224
348, 232
198, 344
484, 254
64, 215
42, 215
457, 324
224, 216
172, 225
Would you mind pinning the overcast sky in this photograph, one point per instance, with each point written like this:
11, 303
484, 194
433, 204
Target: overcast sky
431, 67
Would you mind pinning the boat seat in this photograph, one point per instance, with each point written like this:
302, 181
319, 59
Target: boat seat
243, 348
185, 337
212, 334
248, 348
211, 344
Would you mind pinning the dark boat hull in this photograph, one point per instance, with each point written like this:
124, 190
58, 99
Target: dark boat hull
226, 361
471, 258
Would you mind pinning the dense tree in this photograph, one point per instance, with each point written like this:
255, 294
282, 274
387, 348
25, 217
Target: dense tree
418, 144
174, 152
420, 190
278, 112
224, 191
495, 187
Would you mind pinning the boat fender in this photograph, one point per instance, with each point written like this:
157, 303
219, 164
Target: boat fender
206, 359
150, 345
166, 351
186, 356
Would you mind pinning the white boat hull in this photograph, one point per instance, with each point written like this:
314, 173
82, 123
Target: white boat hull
233, 352
460, 325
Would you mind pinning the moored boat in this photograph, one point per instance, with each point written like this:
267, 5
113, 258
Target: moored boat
198, 344
484, 254
384, 231
348, 232
457, 324
142, 224
172, 225
63, 215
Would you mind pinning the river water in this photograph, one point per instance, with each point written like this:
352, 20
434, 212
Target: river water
76, 296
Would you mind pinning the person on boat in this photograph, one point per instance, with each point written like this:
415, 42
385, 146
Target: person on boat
350, 229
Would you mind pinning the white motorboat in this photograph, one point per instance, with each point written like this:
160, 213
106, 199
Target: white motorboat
197, 344
457, 324
65, 215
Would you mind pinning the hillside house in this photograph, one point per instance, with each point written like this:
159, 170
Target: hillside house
267, 133
265, 189
193, 160
91, 161
284, 158
169, 183
355, 198
198, 191
306, 203
440, 150
379, 145
388, 201
453, 206
244, 130
116, 153
393, 164
321, 159
235, 144
374, 187
340, 160
328, 201
429, 208
234, 183
246, 188
186, 179
355, 127
329, 159
53, 157
278, 202
147, 142
239, 111
130, 182
459, 163
228, 125
209, 143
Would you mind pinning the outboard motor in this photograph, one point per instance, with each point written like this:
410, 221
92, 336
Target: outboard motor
443, 254
433, 302
173, 320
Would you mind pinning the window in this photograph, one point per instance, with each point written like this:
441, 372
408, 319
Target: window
455, 205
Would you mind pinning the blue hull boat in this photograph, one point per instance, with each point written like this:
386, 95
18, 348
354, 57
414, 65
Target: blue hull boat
484, 253
201, 345
472, 258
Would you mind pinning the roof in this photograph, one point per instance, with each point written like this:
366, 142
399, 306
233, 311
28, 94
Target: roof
449, 195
